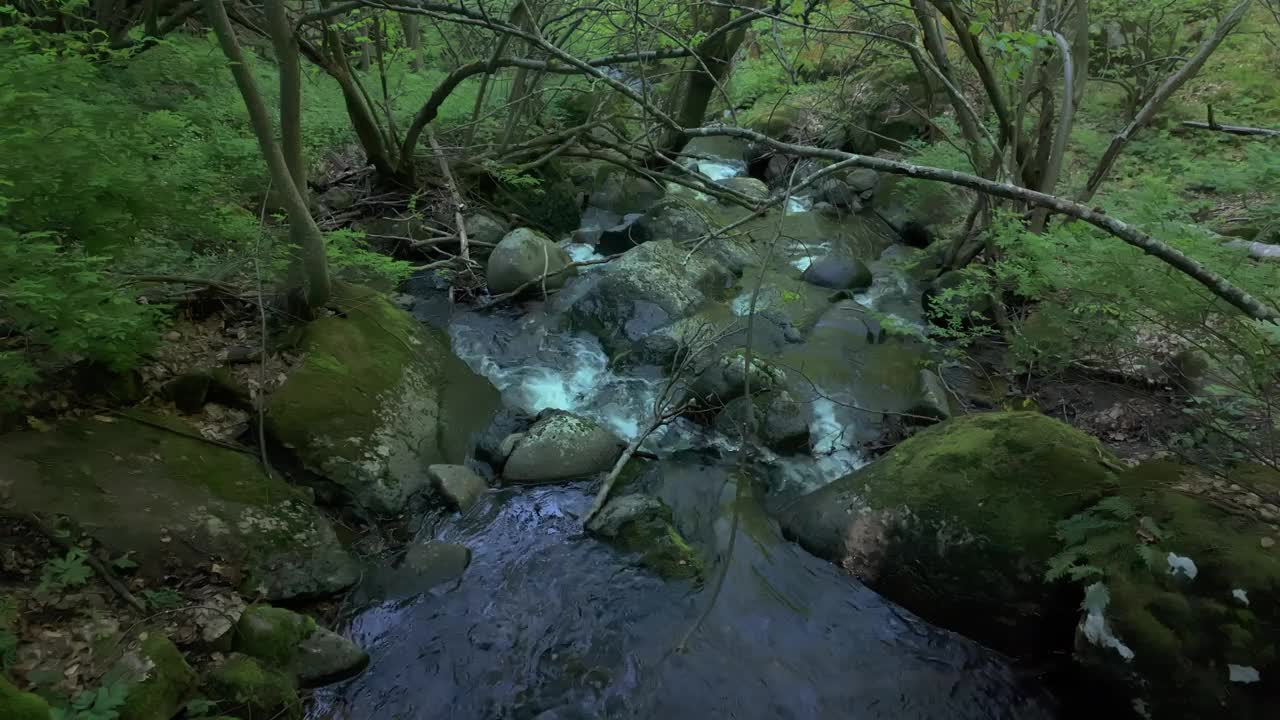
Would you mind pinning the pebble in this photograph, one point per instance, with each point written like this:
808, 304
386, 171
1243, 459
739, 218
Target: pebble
1267, 543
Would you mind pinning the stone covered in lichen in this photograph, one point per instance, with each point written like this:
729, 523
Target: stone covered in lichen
643, 524
1192, 618
160, 681
378, 397
293, 644
173, 500
957, 523
18, 705
245, 689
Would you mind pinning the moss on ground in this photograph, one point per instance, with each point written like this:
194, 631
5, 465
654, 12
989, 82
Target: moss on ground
271, 634
169, 682
244, 688
18, 705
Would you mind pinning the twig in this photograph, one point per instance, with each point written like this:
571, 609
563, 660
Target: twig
459, 207
107, 576
1232, 129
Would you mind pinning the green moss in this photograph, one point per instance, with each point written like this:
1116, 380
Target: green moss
242, 687
18, 705
168, 684
271, 634
660, 545
1184, 631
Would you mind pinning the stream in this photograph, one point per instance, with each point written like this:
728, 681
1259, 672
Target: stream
547, 622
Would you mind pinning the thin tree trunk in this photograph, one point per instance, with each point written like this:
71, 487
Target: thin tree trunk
933, 42
413, 41
1170, 86
303, 228
286, 47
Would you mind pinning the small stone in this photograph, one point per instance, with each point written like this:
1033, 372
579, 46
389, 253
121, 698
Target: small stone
459, 484
435, 563
1267, 543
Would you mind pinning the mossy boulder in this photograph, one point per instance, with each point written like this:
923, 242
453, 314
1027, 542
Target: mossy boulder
160, 680
781, 423
751, 187
146, 484
246, 689
562, 446
18, 705
644, 290
522, 257
1185, 616
377, 398
643, 524
614, 189
294, 644
958, 524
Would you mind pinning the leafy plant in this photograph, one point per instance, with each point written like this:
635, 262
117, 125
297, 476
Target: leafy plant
69, 571
101, 704
162, 599
1100, 536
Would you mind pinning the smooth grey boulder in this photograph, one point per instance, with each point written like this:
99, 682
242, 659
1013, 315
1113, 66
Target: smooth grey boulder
748, 186
459, 484
522, 257
838, 272
434, 563
484, 227
781, 422
562, 446
725, 379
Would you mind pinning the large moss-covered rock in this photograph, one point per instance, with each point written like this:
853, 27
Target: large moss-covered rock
958, 524
147, 485
246, 689
644, 290
523, 257
18, 705
378, 397
643, 524
562, 446
159, 678
294, 644
1184, 618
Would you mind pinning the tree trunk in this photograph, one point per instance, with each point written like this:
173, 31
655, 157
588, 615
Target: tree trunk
704, 73
286, 47
302, 226
413, 41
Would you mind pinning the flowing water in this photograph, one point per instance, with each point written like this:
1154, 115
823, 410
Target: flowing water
547, 622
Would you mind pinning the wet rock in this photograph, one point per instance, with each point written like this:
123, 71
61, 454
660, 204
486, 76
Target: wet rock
377, 399
243, 687
782, 424
485, 227
933, 397
730, 149
958, 524
622, 236
159, 678
676, 220
863, 181
133, 486
837, 194
284, 640
562, 446
643, 524
622, 193
18, 705
507, 422
838, 273
750, 187
725, 379
642, 291
522, 257
459, 485
434, 563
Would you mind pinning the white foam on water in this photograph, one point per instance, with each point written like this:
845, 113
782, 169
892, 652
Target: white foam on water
1243, 674
804, 255
721, 170
799, 204
566, 372
581, 252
